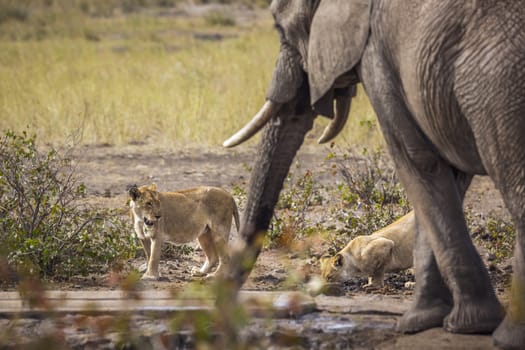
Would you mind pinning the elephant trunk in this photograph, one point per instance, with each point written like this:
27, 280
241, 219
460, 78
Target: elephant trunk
282, 138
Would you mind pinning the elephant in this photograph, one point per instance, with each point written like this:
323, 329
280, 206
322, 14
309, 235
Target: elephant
446, 79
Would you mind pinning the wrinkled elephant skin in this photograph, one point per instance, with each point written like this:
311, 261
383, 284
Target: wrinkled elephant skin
447, 81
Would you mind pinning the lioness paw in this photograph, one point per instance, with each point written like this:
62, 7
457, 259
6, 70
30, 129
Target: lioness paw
196, 272
143, 267
147, 277
410, 285
369, 287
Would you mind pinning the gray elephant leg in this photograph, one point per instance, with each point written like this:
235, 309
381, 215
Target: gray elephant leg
509, 178
432, 187
434, 190
433, 300
498, 121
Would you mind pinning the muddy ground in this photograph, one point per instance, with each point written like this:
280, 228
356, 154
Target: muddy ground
108, 170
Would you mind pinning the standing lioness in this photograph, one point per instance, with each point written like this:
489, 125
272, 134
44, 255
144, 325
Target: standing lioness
202, 213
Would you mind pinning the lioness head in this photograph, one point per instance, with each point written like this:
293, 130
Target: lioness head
145, 204
331, 267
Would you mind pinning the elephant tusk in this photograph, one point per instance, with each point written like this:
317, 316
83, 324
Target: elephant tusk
342, 109
268, 110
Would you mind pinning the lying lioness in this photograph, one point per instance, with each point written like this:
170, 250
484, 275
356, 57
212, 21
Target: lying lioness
202, 213
387, 250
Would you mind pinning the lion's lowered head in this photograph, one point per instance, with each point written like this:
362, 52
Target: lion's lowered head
363, 256
331, 267
340, 267
145, 203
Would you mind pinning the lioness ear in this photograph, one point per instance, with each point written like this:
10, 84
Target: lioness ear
338, 36
338, 260
134, 192
152, 187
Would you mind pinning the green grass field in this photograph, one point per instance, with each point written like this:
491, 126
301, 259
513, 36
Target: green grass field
140, 76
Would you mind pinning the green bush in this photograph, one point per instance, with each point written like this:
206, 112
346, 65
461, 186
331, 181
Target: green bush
371, 194
298, 197
368, 198
45, 228
496, 234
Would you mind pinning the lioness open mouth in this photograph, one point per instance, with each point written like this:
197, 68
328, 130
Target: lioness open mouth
148, 223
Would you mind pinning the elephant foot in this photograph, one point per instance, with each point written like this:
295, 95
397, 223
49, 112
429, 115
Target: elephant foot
510, 335
418, 319
474, 317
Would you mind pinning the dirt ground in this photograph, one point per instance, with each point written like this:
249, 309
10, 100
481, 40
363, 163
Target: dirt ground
107, 171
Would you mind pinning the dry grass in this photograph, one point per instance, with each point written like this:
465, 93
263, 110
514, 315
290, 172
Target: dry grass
141, 77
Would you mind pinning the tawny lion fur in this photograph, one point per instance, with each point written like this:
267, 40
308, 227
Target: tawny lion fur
202, 213
387, 250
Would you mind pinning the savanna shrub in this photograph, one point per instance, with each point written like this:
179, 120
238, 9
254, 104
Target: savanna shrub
299, 195
370, 192
496, 234
45, 228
